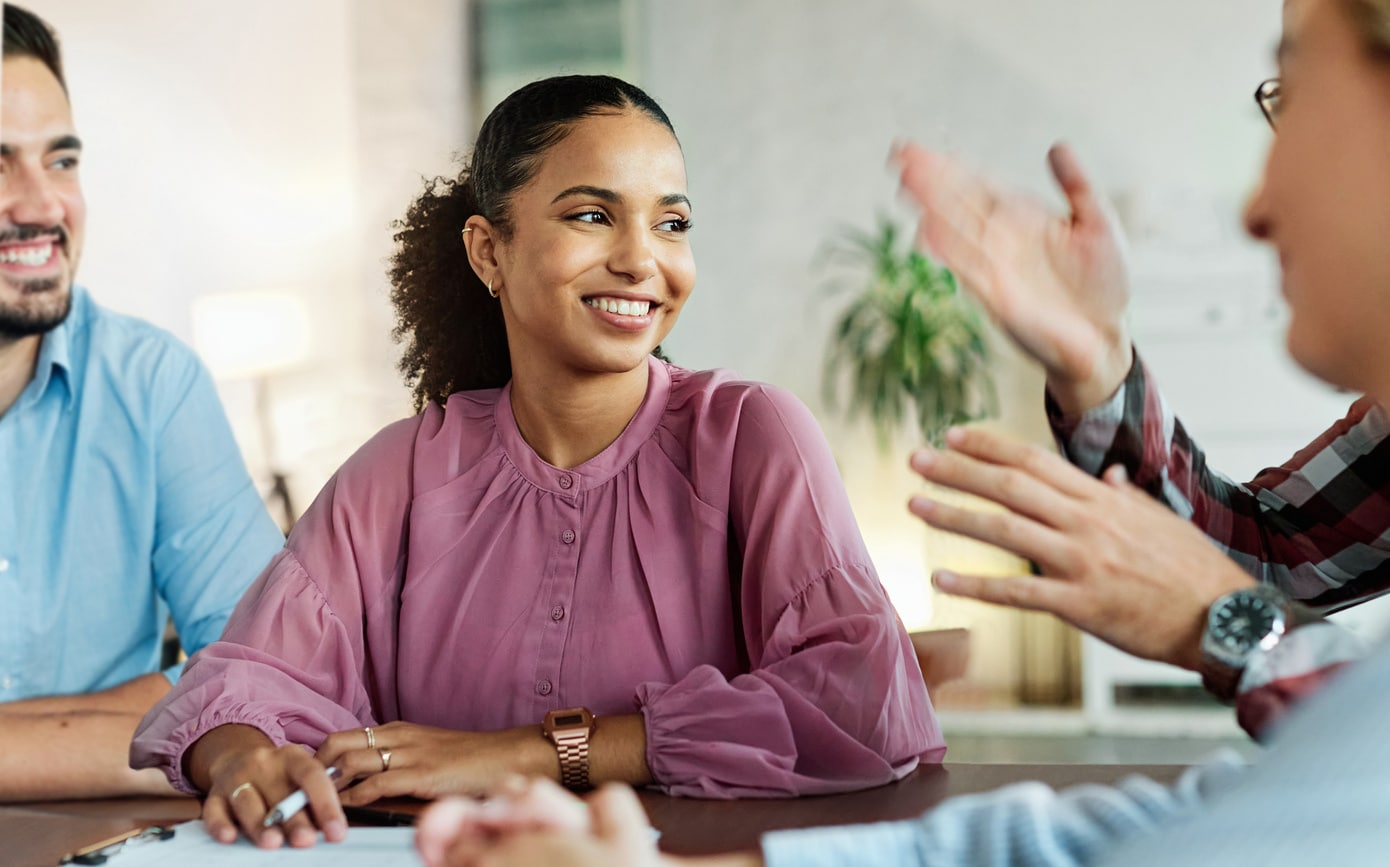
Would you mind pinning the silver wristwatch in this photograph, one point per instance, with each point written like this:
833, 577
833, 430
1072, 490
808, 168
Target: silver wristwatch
1239, 625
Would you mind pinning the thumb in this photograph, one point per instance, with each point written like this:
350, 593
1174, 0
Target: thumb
618, 817
1061, 159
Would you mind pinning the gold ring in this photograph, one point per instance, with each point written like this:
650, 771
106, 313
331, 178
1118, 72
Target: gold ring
371, 738
238, 790
385, 759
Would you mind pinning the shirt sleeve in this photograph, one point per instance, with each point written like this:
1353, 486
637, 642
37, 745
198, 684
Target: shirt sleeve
833, 699
1021, 824
294, 659
212, 533
1315, 796
1302, 663
1314, 526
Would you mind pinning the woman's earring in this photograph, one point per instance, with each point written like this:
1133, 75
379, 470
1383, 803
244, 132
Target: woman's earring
464, 233
491, 291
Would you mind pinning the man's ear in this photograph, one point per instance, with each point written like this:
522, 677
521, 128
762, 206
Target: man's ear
481, 238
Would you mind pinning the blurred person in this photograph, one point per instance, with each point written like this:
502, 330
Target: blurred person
1114, 560
123, 497
1299, 540
579, 561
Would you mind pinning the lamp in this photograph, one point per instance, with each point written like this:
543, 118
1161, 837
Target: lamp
253, 335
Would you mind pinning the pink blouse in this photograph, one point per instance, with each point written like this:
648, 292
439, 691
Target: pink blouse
448, 576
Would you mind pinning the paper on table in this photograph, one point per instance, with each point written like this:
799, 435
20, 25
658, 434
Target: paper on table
369, 847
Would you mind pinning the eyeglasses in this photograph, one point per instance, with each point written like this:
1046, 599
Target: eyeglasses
1267, 96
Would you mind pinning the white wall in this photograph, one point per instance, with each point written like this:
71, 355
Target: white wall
265, 145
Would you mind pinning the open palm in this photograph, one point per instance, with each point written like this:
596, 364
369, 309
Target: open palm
1056, 283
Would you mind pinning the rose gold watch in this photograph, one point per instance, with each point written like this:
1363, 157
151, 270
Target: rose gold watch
569, 730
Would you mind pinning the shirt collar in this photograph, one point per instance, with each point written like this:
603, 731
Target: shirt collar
55, 355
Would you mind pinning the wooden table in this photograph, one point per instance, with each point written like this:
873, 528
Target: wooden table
39, 834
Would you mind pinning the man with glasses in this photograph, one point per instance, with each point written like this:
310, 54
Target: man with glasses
1303, 539
1123, 560
123, 497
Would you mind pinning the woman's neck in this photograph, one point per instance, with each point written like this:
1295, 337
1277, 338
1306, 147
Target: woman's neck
568, 420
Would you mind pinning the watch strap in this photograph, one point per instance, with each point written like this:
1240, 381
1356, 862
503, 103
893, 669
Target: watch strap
574, 760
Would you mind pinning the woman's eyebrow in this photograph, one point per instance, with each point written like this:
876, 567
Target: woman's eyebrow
599, 193
604, 194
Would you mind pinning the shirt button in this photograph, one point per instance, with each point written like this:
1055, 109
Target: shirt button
6, 682
4, 565
566, 482
557, 613
567, 537
543, 687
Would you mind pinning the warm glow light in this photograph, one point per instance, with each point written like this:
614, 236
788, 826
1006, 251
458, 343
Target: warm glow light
248, 334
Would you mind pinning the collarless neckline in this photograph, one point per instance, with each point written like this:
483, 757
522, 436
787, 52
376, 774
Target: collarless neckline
601, 467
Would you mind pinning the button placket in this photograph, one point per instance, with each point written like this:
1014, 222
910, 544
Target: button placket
567, 515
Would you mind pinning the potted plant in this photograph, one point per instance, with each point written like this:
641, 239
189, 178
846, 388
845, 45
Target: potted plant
908, 344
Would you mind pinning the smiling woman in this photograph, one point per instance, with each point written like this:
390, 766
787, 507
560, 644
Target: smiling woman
578, 560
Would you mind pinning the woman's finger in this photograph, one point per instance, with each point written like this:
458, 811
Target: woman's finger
395, 783
218, 821
249, 808
324, 810
335, 745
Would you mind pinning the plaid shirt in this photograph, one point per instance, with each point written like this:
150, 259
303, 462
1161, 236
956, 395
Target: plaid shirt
1318, 527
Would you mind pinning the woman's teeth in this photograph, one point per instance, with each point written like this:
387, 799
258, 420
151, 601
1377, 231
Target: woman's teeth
620, 307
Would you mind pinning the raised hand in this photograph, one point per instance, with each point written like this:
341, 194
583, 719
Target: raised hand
1056, 283
1114, 562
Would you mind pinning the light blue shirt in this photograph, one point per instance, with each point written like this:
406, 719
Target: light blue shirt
1317, 796
123, 498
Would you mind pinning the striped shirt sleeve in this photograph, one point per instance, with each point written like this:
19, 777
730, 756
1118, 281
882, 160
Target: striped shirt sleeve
1317, 526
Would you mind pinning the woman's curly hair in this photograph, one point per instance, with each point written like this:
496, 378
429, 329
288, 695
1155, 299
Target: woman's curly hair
454, 335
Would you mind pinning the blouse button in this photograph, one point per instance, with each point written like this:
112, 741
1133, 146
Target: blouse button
566, 482
543, 687
557, 613
567, 537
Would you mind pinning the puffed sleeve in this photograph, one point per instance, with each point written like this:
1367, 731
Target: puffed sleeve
296, 660
833, 699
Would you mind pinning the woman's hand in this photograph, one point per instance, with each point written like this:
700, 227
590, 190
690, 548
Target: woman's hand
1057, 283
1114, 562
245, 775
404, 759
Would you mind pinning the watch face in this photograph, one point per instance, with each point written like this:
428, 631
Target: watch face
1242, 622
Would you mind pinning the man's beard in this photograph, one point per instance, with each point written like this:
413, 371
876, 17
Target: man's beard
49, 306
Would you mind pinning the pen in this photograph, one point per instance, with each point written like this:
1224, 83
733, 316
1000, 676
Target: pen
97, 853
294, 802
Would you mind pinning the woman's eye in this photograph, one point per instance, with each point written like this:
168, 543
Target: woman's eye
679, 225
595, 218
